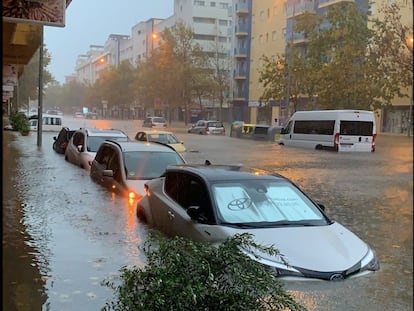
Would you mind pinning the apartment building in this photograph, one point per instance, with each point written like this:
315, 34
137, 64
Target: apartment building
270, 32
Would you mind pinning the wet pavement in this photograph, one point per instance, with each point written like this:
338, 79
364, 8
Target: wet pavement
63, 234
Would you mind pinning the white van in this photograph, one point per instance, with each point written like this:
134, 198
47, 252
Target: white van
51, 123
339, 130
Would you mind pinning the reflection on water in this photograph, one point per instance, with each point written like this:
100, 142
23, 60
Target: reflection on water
76, 232
23, 285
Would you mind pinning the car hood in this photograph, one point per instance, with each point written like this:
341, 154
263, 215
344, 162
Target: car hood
318, 248
178, 147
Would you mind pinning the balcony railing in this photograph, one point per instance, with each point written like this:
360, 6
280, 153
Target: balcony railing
300, 8
241, 8
241, 30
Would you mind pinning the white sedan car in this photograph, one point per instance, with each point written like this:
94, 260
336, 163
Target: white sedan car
212, 203
85, 142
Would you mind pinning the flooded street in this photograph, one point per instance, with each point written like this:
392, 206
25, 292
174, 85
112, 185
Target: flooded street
63, 234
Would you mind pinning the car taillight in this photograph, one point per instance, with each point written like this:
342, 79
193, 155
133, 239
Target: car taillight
373, 142
336, 141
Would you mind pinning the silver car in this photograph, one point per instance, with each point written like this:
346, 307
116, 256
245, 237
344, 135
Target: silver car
211, 203
84, 144
207, 127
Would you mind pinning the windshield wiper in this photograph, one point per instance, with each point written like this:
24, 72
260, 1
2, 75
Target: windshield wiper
271, 224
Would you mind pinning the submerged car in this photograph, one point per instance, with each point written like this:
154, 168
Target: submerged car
125, 167
207, 127
212, 203
163, 137
155, 122
85, 142
61, 141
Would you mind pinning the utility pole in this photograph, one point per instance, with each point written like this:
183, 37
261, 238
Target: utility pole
40, 88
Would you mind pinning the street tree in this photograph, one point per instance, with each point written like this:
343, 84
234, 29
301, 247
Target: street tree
285, 78
115, 85
29, 80
342, 66
180, 61
343, 76
392, 46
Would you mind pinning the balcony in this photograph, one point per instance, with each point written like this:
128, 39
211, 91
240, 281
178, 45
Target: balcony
241, 30
241, 9
240, 74
300, 8
240, 52
326, 3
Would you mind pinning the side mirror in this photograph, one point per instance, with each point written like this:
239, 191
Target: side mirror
321, 206
282, 130
108, 173
54, 137
193, 212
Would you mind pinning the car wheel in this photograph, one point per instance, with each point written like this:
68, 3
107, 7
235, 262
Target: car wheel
141, 214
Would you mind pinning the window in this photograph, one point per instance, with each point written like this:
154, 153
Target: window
319, 127
204, 20
189, 191
223, 5
212, 4
199, 3
362, 128
222, 22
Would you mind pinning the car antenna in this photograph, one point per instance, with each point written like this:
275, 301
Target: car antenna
207, 163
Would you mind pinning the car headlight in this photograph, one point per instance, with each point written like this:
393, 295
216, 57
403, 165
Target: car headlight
132, 195
277, 266
370, 262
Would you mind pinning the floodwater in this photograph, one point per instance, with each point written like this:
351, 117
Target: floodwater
63, 234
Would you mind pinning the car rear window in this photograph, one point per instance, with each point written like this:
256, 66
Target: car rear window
159, 120
215, 124
94, 142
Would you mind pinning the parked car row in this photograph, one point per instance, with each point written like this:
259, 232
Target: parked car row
211, 202
117, 162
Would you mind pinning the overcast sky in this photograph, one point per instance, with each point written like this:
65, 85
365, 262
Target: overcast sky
90, 22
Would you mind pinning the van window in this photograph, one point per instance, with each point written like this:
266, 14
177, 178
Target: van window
356, 128
52, 121
320, 127
287, 129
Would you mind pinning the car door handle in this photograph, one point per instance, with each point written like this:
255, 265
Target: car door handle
171, 215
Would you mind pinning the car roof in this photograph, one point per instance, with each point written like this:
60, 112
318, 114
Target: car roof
104, 132
223, 172
140, 146
155, 132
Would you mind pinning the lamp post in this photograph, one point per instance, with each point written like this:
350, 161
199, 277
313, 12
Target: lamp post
410, 110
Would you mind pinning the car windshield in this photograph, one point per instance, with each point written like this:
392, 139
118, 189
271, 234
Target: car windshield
149, 164
163, 138
264, 203
94, 142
